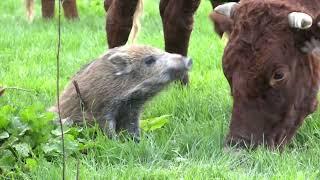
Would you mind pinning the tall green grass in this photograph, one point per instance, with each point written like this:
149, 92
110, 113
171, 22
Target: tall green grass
190, 146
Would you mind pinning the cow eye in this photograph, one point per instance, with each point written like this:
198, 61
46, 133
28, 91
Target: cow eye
278, 75
149, 60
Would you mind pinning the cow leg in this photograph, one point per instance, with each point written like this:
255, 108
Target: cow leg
107, 4
119, 21
47, 8
70, 9
177, 20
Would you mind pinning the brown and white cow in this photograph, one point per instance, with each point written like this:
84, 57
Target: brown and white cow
272, 64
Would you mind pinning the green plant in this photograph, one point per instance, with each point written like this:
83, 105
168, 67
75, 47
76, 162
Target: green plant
29, 133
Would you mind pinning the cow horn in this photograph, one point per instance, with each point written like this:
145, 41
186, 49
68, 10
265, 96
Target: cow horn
226, 9
300, 20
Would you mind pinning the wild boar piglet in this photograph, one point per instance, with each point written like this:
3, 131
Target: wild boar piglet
115, 86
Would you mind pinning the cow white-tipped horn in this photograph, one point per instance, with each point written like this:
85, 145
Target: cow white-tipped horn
226, 9
300, 20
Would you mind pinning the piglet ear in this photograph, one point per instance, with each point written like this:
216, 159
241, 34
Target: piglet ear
121, 63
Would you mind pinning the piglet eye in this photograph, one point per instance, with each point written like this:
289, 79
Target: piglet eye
149, 60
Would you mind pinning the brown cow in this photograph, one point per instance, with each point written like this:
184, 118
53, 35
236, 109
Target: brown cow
69, 7
274, 76
177, 21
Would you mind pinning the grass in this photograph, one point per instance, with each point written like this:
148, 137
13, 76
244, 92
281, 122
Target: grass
190, 146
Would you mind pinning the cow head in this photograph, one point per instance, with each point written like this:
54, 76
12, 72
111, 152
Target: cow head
273, 74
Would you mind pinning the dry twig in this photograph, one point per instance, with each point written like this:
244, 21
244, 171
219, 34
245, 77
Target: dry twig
82, 103
58, 90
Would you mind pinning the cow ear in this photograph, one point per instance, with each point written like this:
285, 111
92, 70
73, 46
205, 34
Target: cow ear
121, 63
222, 24
227, 9
279, 77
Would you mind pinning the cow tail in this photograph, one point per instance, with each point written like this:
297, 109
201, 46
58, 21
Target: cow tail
136, 22
30, 9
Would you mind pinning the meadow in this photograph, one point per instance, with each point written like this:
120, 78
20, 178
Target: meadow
188, 145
